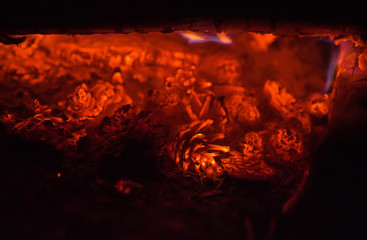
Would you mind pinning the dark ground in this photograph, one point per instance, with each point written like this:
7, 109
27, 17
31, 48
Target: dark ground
335, 196
63, 16
83, 203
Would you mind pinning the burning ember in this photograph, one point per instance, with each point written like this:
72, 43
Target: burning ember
204, 108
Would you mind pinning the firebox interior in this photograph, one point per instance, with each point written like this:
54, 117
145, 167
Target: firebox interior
230, 90
200, 128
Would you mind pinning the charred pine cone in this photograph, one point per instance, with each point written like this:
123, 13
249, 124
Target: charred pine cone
287, 144
185, 81
48, 125
242, 108
239, 166
250, 164
87, 103
115, 133
286, 105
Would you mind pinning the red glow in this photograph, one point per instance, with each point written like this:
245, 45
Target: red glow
200, 37
227, 110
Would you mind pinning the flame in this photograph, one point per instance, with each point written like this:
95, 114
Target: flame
333, 64
200, 37
261, 42
343, 58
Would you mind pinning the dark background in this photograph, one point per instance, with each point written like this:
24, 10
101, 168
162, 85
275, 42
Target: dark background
66, 15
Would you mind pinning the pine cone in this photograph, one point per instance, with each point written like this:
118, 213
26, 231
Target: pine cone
287, 144
193, 149
242, 108
286, 104
241, 167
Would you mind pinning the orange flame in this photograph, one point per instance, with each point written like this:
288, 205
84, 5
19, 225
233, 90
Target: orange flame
200, 37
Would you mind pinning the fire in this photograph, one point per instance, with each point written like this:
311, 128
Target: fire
200, 37
332, 68
212, 112
261, 41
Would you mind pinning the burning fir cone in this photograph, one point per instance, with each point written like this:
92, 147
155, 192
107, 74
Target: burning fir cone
81, 105
156, 99
240, 166
286, 105
49, 125
250, 164
287, 144
125, 119
120, 122
162, 105
318, 105
181, 88
193, 149
185, 81
42, 114
252, 145
87, 103
133, 139
107, 94
199, 102
207, 108
242, 108
43, 118
227, 71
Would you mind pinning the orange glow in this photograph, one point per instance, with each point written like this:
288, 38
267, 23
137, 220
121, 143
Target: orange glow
239, 167
224, 38
200, 37
192, 148
243, 110
193, 35
261, 41
284, 103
